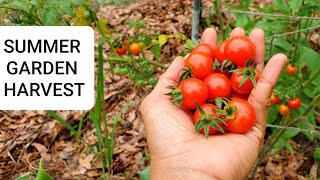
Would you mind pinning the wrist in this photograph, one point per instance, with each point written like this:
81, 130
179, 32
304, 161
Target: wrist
161, 169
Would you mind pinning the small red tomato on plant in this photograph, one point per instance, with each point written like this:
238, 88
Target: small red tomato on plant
284, 109
239, 50
291, 69
199, 64
205, 49
294, 103
121, 51
189, 92
206, 120
219, 51
135, 49
244, 80
275, 99
125, 43
319, 119
241, 116
218, 86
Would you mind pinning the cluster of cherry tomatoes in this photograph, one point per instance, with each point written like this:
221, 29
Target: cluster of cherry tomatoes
284, 108
215, 86
134, 48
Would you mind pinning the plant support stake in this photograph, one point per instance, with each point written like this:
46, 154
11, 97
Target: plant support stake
195, 19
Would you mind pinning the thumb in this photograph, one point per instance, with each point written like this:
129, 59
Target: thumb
171, 76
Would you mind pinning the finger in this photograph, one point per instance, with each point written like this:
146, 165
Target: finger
171, 76
261, 94
237, 32
209, 36
257, 38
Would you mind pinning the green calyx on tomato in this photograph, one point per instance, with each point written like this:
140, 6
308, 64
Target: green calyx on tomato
228, 112
176, 95
186, 74
248, 73
206, 121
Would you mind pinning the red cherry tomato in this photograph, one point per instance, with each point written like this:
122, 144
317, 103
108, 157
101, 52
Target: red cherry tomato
294, 103
205, 49
239, 96
218, 86
208, 109
121, 51
291, 69
246, 87
319, 119
193, 90
274, 99
239, 50
135, 49
244, 117
201, 64
219, 51
284, 109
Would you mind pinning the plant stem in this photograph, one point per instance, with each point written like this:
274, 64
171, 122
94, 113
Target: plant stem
131, 60
292, 32
307, 83
221, 23
297, 43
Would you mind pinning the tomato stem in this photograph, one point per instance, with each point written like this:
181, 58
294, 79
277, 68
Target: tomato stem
219, 17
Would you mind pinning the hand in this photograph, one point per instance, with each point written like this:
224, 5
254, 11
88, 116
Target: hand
177, 152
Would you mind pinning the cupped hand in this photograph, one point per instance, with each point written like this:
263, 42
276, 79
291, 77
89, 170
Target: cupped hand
177, 152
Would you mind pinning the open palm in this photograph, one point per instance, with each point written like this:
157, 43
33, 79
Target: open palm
177, 152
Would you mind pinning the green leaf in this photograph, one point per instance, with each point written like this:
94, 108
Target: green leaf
294, 5
145, 174
290, 133
162, 39
306, 125
42, 175
283, 44
281, 6
242, 20
61, 121
21, 5
50, 17
156, 50
273, 113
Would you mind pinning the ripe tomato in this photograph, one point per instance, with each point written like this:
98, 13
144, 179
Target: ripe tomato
239, 50
319, 119
291, 69
135, 49
205, 49
244, 117
193, 90
121, 51
219, 51
275, 99
200, 64
239, 96
208, 109
247, 86
218, 86
294, 103
284, 109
